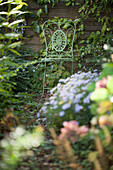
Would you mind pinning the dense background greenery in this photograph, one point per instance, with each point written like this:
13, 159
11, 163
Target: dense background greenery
100, 11
21, 70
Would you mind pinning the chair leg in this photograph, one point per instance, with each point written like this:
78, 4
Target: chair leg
72, 66
44, 79
43, 83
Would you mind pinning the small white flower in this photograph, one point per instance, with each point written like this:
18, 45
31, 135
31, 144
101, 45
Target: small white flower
67, 79
44, 108
58, 85
53, 102
94, 121
52, 90
38, 115
111, 99
105, 47
79, 96
62, 81
44, 119
87, 99
78, 107
55, 107
62, 113
84, 88
46, 103
79, 72
66, 106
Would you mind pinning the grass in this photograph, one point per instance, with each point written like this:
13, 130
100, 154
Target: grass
45, 157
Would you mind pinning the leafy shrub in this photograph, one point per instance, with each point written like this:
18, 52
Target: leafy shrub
102, 122
17, 145
70, 100
100, 131
10, 13
30, 76
92, 46
102, 94
27, 78
73, 145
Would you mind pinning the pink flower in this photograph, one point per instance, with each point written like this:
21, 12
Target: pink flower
72, 131
102, 83
62, 137
65, 124
83, 130
71, 123
64, 131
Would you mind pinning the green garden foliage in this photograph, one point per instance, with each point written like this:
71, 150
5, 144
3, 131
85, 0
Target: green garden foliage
82, 123
93, 44
11, 19
13, 92
18, 145
99, 132
102, 122
69, 100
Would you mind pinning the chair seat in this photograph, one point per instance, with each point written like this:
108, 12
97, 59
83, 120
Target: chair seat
55, 59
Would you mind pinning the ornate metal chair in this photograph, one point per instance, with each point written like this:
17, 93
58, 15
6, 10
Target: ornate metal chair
59, 40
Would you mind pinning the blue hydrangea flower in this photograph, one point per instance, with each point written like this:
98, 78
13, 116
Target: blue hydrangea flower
72, 91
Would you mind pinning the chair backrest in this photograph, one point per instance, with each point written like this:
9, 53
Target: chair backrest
59, 38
